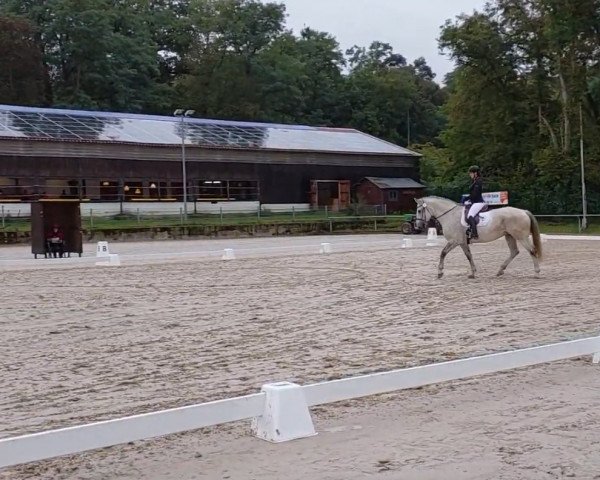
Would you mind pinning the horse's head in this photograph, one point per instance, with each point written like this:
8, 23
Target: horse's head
433, 207
423, 214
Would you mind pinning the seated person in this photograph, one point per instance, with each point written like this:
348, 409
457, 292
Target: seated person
55, 241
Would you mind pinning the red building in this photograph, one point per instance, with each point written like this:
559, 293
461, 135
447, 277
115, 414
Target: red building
397, 194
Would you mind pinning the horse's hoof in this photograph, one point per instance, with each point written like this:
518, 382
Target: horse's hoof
471, 276
500, 273
440, 275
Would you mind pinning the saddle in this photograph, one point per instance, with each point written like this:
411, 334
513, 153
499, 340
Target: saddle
477, 217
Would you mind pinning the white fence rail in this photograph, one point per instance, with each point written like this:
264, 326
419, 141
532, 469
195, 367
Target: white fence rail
280, 412
385, 382
54, 443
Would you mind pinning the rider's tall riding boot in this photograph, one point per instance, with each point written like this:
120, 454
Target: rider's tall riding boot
473, 225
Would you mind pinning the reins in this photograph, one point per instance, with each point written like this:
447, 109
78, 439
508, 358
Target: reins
440, 216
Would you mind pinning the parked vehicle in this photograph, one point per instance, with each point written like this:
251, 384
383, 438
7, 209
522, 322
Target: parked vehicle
412, 225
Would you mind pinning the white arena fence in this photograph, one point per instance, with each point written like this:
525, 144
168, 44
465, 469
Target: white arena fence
280, 412
109, 209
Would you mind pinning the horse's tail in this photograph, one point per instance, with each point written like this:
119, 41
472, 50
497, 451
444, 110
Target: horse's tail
535, 233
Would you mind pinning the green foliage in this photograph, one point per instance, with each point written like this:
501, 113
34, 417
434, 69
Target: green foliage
231, 59
99, 54
525, 69
22, 78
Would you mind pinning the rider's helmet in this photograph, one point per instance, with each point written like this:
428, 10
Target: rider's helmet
474, 169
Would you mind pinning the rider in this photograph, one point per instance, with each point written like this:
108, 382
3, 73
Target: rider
475, 199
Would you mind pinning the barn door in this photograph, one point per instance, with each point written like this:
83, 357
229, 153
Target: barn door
344, 194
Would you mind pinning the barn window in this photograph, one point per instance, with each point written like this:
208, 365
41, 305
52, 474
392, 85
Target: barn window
215, 190
393, 195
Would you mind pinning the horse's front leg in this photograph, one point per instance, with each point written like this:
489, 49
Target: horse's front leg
447, 249
467, 250
514, 251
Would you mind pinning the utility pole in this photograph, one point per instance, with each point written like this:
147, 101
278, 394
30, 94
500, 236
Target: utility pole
408, 127
583, 191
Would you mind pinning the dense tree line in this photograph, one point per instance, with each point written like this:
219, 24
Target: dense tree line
232, 59
527, 73
526, 90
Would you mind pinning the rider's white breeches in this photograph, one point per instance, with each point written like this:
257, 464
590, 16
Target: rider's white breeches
475, 209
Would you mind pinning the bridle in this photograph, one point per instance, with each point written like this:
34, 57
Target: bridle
424, 205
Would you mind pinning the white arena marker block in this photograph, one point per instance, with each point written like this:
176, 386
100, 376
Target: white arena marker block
286, 415
228, 254
325, 248
113, 260
407, 243
431, 237
102, 249
544, 238
596, 358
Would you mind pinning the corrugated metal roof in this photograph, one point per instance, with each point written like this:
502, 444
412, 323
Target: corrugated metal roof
384, 183
59, 125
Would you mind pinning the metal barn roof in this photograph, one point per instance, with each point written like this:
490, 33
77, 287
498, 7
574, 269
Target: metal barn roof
104, 127
384, 183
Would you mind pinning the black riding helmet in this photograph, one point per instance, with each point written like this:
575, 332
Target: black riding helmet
474, 169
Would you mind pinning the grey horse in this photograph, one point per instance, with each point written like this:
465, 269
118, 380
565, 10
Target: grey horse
513, 223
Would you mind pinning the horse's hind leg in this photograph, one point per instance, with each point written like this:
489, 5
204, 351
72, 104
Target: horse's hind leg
514, 251
467, 251
529, 247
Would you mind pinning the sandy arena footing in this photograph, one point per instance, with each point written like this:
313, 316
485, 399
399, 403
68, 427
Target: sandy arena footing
175, 325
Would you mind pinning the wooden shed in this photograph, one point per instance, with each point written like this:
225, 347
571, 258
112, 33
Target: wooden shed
397, 194
63, 213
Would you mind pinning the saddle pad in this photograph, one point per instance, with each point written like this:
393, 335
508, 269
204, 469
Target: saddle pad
484, 219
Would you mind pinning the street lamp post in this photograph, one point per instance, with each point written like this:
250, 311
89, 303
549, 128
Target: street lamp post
582, 161
180, 112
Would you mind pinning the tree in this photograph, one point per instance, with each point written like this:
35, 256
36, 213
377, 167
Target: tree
391, 99
229, 36
302, 79
526, 67
99, 53
22, 76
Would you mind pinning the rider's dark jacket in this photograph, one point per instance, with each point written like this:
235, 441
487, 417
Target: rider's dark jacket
476, 191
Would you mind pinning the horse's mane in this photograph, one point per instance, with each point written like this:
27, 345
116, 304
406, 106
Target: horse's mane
440, 198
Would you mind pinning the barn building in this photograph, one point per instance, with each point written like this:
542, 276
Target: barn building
102, 157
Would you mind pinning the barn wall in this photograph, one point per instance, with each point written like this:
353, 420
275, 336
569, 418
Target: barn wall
283, 177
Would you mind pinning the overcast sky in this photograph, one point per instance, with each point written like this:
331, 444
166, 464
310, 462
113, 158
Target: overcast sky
410, 26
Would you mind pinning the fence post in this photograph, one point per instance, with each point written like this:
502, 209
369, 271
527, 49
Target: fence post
330, 226
375, 223
293, 212
3, 216
91, 219
181, 215
138, 216
385, 209
326, 215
